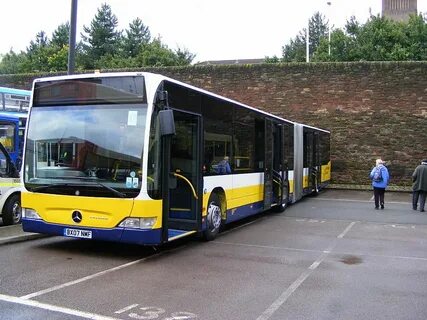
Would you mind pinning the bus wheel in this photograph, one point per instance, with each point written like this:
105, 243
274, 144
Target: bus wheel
280, 208
12, 211
213, 218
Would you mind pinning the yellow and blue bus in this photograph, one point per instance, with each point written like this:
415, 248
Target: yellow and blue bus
137, 158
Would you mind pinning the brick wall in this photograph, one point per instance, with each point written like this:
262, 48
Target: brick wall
372, 109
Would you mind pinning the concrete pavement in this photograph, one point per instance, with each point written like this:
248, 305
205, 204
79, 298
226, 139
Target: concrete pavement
14, 233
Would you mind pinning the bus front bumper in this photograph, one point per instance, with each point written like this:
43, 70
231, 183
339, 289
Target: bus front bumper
124, 235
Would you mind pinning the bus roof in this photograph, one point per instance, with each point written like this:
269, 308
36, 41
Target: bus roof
162, 77
15, 91
13, 114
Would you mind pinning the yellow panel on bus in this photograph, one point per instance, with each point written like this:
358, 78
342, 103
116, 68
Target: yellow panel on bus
326, 172
96, 212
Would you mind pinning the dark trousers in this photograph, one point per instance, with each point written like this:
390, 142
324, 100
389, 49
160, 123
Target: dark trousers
422, 196
379, 197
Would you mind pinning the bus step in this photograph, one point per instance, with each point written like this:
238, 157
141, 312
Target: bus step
174, 234
181, 213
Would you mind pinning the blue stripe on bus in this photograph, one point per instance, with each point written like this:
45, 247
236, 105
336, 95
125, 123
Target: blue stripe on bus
141, 237
244, 211
15, 91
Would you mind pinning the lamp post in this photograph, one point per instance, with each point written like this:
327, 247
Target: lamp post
307, 43
329, 3
72, 40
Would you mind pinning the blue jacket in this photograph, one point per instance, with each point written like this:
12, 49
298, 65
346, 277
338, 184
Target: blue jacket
223, 167
385, 175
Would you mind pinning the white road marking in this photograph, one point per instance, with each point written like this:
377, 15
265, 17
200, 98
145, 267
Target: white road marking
264, 247
127, 308
355, 200
295, 285
291, 289
49, 307
98, 274
346, 230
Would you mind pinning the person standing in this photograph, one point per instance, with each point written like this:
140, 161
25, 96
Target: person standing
380, 178
419, 187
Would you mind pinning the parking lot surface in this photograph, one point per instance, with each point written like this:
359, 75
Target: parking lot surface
327, 257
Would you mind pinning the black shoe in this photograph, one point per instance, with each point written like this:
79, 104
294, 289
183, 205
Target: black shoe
376, 208
422, 210
414, 208
382, 207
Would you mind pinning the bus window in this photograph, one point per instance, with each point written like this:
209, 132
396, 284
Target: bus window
244, 140
218, 133
7, 136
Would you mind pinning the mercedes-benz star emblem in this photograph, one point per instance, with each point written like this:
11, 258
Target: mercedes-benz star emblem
77, 216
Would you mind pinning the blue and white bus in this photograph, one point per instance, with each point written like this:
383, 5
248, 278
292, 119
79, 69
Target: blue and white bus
14, 99
12, 134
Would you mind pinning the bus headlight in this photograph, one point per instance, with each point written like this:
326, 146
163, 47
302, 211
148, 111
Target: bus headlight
30, 214
138, 223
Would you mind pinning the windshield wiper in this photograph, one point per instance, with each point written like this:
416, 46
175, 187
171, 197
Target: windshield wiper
54, 185
116, 192
48, 186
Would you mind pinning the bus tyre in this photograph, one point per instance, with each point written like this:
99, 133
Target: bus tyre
12, 212
213, 218
280, 208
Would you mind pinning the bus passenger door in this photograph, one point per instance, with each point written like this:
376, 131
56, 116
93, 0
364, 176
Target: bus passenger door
268, 164
185, 187
316, 168
280, 181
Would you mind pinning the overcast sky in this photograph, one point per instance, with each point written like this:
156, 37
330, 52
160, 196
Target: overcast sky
213, 30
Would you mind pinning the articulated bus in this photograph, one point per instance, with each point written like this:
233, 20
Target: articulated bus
135, 158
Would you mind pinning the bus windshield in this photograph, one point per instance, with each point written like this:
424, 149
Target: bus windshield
83, 146
83, 149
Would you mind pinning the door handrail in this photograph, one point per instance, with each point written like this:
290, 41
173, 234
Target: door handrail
188, 182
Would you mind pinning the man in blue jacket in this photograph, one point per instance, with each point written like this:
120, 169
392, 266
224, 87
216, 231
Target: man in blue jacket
380, 178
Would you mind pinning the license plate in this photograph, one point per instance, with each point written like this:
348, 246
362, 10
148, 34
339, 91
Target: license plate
78, 233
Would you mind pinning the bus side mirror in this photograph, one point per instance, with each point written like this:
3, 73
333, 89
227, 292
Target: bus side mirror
167, 122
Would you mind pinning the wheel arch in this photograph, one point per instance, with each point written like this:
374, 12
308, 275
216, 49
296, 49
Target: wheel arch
6, 196
220, 192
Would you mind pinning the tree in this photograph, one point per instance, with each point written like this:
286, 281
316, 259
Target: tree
296, 50
137, 36
158, 54
416, 32
184, 57
37, 53
102, 46
379, 39
102, 37
13, 63
61, 36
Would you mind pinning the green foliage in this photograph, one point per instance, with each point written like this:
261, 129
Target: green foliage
295, 51
136, 38
102, 46
379, 39
61, 36
101, 38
